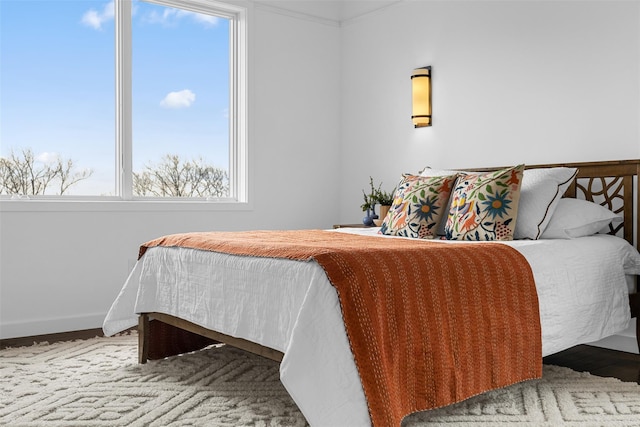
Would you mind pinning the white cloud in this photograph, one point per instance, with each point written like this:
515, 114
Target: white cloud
47, 157
181, 99
94, 19
206, 20
170, 17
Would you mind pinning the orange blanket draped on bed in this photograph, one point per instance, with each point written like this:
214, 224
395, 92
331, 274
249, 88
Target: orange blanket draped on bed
429, 323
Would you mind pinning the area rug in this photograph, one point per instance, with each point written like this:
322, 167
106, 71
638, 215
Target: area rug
97, 382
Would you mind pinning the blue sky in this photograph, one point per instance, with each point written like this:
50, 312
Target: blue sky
57, 84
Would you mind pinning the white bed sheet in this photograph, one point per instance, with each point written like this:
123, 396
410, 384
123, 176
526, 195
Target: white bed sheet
581, 286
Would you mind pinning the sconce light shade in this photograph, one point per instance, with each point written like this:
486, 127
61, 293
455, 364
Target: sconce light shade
421, 89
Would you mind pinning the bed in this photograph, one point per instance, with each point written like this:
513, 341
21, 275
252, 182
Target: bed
302, 326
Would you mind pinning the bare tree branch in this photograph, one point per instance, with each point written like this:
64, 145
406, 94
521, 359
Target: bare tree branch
174, 177
21, 174
66, 177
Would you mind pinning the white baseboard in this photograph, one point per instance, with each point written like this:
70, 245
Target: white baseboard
50, 326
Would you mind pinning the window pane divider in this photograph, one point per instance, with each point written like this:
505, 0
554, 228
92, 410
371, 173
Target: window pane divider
123, 32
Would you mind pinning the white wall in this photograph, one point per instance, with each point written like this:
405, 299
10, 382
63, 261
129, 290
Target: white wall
513, 81
60, 268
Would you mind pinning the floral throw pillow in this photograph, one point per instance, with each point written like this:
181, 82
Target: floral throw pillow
419, 205
485, 206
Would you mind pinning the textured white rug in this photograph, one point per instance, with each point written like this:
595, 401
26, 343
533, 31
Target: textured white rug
97, 382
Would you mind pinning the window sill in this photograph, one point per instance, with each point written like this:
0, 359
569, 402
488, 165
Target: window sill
114, 205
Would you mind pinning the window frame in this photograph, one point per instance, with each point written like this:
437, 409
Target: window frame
238, 122
237, 96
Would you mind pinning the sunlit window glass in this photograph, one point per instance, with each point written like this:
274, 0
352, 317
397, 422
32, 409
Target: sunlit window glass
57, 98
180, 99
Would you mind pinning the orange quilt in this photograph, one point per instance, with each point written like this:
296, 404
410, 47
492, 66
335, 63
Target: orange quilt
429, 323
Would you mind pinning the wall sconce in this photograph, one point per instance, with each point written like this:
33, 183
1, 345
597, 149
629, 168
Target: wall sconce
421, 89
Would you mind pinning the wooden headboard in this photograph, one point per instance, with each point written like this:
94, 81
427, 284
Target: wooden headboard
610, 184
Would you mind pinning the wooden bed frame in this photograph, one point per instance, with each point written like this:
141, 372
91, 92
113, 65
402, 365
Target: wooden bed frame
609, 183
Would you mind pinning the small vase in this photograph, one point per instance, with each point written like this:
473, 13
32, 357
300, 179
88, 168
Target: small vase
367, 220
373, 215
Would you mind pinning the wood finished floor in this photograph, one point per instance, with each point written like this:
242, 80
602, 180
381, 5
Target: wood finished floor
599, 361
583, 358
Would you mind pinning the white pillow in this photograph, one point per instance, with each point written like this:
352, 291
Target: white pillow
429, 172
540, 193
577, 218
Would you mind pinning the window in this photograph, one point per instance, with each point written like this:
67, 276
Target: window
175, 97
57, 100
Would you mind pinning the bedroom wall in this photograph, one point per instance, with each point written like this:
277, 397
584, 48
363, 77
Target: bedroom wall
521, 81
61, 265
513, 82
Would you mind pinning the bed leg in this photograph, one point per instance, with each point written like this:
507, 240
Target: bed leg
634, 305
638, 336
143, 338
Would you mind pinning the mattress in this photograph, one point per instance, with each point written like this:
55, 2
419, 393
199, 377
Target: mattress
291, 306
